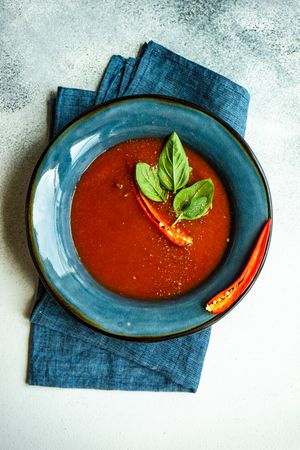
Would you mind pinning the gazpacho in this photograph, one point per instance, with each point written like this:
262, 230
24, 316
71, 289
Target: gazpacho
150, 219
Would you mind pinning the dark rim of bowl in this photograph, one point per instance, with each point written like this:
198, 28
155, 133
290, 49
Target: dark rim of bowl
62, 301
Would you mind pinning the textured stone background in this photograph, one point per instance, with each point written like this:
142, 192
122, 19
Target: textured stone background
255, 43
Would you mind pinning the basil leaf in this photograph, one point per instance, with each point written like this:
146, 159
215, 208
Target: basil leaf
194, 201
148, 182
173, 165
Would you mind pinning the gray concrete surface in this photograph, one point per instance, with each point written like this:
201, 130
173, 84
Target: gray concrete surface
255, 43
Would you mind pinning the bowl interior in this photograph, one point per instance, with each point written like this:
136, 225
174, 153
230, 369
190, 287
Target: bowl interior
50, 199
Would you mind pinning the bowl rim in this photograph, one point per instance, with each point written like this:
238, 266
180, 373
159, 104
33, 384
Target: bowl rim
29, 234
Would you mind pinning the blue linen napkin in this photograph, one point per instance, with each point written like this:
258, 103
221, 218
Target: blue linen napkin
63, 351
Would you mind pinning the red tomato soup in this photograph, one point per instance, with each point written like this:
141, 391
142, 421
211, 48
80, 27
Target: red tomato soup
121, 247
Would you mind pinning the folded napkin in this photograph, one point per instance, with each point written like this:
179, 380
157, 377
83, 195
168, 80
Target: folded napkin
63, 351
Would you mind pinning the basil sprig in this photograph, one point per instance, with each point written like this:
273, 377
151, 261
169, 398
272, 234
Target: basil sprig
172, 174
148, 181
173, 165
194, 201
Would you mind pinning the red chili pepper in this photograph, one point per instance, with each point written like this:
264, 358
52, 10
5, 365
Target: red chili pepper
174, 233
224, 299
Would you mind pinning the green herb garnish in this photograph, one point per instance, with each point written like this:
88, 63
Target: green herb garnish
173, 165
194, 201
172, 174
148, 181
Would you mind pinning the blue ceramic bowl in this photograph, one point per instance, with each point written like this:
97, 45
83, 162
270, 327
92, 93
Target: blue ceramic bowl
49, 205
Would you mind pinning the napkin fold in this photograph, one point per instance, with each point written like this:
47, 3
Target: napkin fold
63, 351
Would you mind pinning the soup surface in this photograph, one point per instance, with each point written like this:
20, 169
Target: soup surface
120, 246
